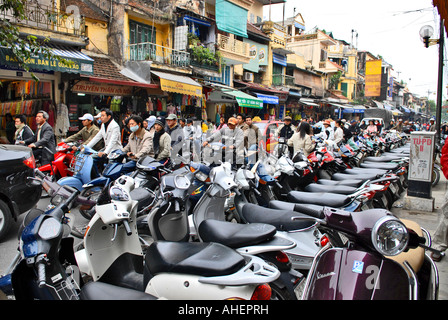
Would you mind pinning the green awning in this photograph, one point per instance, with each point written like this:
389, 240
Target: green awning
77, 61
231, 18
245, 100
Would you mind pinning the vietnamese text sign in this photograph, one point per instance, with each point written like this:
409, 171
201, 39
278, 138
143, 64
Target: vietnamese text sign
421, 156
102, 89
373, 78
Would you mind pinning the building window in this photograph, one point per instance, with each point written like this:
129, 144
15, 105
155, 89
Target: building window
141, 33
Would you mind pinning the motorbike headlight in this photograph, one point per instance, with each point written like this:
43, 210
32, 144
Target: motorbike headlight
390, 236
119, 194
201, 176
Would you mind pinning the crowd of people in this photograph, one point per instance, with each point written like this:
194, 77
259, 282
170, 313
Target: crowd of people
161, 137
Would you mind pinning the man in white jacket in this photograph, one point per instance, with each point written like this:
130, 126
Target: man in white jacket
109, 131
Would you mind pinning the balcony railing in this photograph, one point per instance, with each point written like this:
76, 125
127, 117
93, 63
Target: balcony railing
282, 80
159, 54
210, 62
228, 44
47, 18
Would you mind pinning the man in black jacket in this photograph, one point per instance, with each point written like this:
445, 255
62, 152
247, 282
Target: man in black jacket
44, 137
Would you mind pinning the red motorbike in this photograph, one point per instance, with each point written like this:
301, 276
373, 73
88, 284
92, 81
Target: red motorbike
60, 167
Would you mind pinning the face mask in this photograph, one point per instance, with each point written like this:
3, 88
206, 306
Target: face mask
133, 129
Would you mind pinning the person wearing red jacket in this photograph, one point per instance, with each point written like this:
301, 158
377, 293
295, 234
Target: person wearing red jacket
440, 237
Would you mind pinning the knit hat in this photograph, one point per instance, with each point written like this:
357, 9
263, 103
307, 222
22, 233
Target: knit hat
160, 121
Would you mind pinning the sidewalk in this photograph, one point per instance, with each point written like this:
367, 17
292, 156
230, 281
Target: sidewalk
429, 221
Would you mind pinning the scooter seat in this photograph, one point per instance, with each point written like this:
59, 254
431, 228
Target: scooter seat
339, 189
281, 219
321, 198
198, 258
360, 176
312, 210
348, 182
381, 166
104, 291
143, 196
357, 170
235, 235
383, 158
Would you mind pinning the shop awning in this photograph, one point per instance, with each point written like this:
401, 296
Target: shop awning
308, 102
245, 100
77, 62
359, 109
267, 98
178, 84
231, 18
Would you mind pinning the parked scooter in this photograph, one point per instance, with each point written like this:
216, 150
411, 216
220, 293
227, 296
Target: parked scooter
174, 270
84, 169
115, 168
60, 166
262, 240
45, 267
384, 259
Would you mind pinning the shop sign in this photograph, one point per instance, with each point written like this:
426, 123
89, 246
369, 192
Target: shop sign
179, 87
258, 56
102, 89
40, 62
373, 78
421, 156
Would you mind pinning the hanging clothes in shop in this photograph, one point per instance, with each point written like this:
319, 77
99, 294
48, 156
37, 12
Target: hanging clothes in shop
62, 120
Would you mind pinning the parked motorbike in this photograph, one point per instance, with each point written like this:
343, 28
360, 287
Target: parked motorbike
209, 221
174, 270
60, 166
45, 267
384, 259
115, 167
84, 168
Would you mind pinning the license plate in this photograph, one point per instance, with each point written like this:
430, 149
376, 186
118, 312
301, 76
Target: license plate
392, 188
384, 199
364, 207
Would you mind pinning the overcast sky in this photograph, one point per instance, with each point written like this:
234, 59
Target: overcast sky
389, 28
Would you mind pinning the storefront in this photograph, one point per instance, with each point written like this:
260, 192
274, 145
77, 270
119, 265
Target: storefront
108, 88
21, 94
225, 101
184, 96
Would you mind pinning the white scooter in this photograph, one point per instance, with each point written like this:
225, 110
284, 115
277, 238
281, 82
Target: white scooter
173, 270
212, 205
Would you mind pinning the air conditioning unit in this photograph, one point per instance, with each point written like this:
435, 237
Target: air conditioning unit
248, 76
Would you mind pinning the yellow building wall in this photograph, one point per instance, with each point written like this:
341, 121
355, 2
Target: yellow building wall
97, 32
163, 32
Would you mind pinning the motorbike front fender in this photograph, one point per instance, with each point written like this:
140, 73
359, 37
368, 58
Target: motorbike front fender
345, 274
100, 181
72, 182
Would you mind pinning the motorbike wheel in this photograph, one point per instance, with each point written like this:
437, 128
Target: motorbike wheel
91, 193
280, 293
435, 176
5, 219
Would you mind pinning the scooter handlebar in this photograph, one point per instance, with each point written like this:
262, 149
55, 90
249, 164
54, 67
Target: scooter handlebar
41, 272
127, 227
